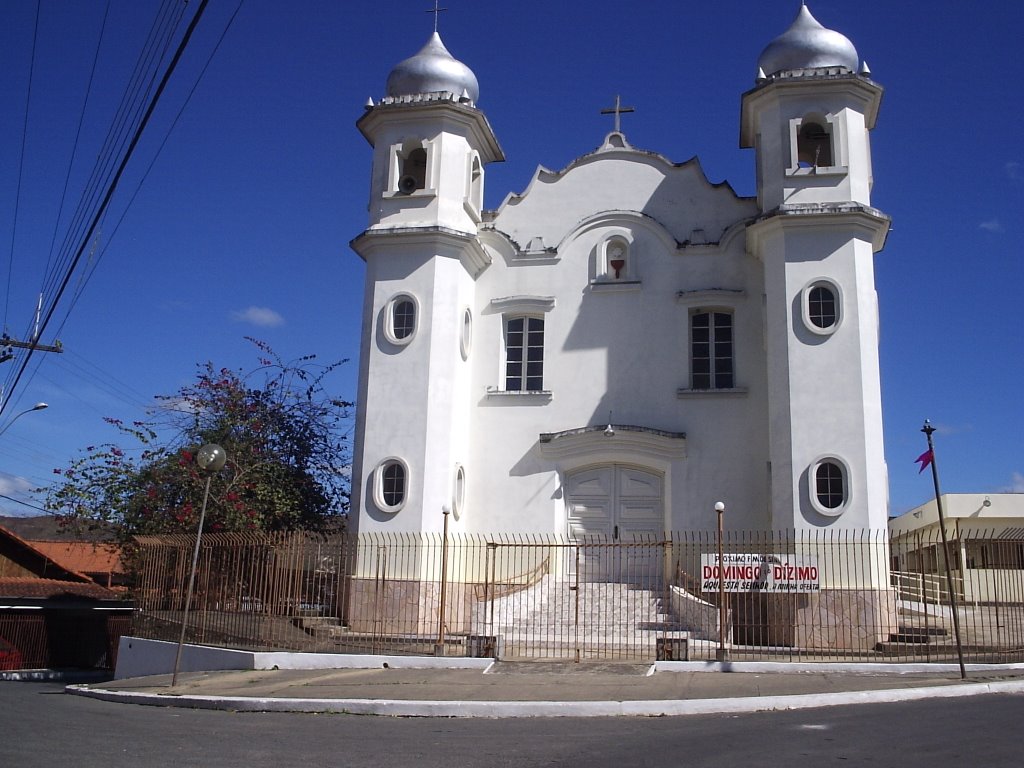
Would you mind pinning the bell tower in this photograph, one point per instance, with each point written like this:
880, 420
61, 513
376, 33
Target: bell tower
808, 119
430, 147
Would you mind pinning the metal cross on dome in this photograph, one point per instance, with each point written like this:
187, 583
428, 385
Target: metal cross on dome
436, 10
617, 110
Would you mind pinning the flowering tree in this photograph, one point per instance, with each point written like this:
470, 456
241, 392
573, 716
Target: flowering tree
287, 458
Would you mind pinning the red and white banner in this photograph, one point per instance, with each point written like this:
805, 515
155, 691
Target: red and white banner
760, 573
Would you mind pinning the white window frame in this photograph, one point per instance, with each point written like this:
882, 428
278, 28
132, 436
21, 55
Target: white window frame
458, 491
510, 307
712, 373
474, 201
466, 333
378, 485
812, 486
524, 363
399, 153
833, 128
805, 306
389, 318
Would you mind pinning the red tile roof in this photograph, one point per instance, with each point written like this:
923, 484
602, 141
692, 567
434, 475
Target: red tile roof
29, 587
83, 556
43, 565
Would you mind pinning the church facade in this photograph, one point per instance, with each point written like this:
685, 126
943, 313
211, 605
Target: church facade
623, 344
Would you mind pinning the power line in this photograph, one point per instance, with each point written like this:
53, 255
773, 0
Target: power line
23, 503
21, 162
78, 135
91, 267
110, 190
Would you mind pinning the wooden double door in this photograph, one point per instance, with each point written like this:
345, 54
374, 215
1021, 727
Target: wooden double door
617, 512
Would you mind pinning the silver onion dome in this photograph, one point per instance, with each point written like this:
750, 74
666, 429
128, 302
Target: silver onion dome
431, 70
808, 45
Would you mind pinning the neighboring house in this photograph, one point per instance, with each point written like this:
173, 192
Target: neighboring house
624, 343
53, 615
985, 532
100, 561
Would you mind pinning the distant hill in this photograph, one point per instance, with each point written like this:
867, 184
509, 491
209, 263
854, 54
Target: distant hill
45, 528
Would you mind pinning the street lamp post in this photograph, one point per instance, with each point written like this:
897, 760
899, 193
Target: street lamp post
211, 459
723, 653
929, 430
36, 407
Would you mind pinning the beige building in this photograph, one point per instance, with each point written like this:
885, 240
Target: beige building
986, 545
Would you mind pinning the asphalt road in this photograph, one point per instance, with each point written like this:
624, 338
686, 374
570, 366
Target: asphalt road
41, 726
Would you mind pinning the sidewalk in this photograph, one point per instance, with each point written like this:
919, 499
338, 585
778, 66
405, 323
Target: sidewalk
546, 689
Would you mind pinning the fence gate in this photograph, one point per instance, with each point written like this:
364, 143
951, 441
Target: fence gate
582, 600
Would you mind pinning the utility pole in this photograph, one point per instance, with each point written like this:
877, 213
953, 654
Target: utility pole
8, 345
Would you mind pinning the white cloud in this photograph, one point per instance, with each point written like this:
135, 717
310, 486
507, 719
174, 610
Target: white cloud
1017, 483
992, 225
10, 484
1013, 170
950, 429
179, 404
264, 317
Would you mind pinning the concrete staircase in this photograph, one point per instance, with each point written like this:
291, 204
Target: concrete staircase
920, 626
596, 616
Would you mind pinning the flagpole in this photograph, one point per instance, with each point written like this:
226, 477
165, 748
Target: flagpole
928, 429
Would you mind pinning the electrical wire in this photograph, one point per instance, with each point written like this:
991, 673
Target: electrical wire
78, 135
108, 195
122, 126
159, 38
21, 162
90, 268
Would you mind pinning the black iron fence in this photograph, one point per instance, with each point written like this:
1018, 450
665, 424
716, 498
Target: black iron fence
814, 595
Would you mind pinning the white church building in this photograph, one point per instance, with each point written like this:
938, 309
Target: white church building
623, 344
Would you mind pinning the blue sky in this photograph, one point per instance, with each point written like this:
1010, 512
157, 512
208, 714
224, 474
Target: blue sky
242, 221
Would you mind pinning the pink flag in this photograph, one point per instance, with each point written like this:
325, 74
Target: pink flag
924, 460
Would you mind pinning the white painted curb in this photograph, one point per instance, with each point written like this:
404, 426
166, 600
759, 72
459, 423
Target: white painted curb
506, 709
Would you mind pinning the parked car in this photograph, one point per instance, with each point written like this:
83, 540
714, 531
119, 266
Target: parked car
10, 657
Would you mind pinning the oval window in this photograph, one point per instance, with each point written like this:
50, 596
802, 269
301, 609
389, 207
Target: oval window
821, 307
829, 487
459, 491
466, 333
390, 485
400, 319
